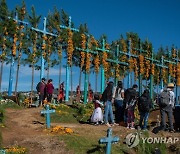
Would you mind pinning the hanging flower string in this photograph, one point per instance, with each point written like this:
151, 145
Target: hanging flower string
104, 62
141, 64
14, 47
44, 37
96, 63
117, 71
131, 64
83, 46
88, 58
148, 67
152, 69
164, 75
70, 47
178, 74
135, 68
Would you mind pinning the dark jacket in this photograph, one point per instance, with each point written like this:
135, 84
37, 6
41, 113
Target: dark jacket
144, 103
129, 94
107, 95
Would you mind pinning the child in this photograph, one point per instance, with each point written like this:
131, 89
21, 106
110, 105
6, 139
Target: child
97, 115
130, 113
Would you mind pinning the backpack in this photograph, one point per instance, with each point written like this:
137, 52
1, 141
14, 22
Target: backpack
164, 98
144, 104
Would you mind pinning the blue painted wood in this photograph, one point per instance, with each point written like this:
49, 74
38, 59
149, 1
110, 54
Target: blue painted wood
67, 66
47, 112
44, 31
12, 59
109, 140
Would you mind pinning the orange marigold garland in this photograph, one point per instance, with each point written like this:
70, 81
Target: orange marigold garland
88, 62
94, 42
34, 48
117, 71
131, 64
141, 64
104, 62
135, 68
70, 47
178, 74
164, 75
152, 69
174, 71
44, 37
148, 67
14, 47
83, 46
124, 45
96, 63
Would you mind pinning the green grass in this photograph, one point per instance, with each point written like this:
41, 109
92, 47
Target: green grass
65, 114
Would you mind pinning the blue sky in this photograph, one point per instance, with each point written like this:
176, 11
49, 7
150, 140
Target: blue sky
157, 20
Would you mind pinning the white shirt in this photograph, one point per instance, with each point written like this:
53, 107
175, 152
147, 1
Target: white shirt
172, 97
119, 96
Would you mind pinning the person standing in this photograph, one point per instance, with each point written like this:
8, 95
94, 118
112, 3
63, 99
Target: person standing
49, 89
107, 99
130, 98
61, 92
118, 97
166, 104
144, 106
41, 86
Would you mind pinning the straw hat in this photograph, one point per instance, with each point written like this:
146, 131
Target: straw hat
170, 85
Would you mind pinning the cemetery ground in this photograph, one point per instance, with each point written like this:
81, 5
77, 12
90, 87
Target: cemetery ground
23, 130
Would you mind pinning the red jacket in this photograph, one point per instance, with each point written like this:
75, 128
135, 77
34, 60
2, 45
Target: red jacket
49, 88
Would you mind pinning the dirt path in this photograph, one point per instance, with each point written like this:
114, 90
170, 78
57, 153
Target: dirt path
25, 128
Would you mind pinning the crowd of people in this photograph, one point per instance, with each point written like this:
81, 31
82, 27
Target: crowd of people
45, 91
124, 102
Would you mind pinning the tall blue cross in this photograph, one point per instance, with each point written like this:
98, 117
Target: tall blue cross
44, 31
87, 50
67, 66
103, 49
117, 62
129, 56
12, 58
177, 87
47, 112
161, 65
109, 140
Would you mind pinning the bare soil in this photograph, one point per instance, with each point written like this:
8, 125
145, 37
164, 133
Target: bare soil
25, 128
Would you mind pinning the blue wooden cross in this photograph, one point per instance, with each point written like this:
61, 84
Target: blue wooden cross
67, 66
177, 87
47, 112
12, 58
44, 34
102, 49
117, 62
87, 50
109, 140
161, 65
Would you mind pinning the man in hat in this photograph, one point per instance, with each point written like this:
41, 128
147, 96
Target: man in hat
167, 109
41, 89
